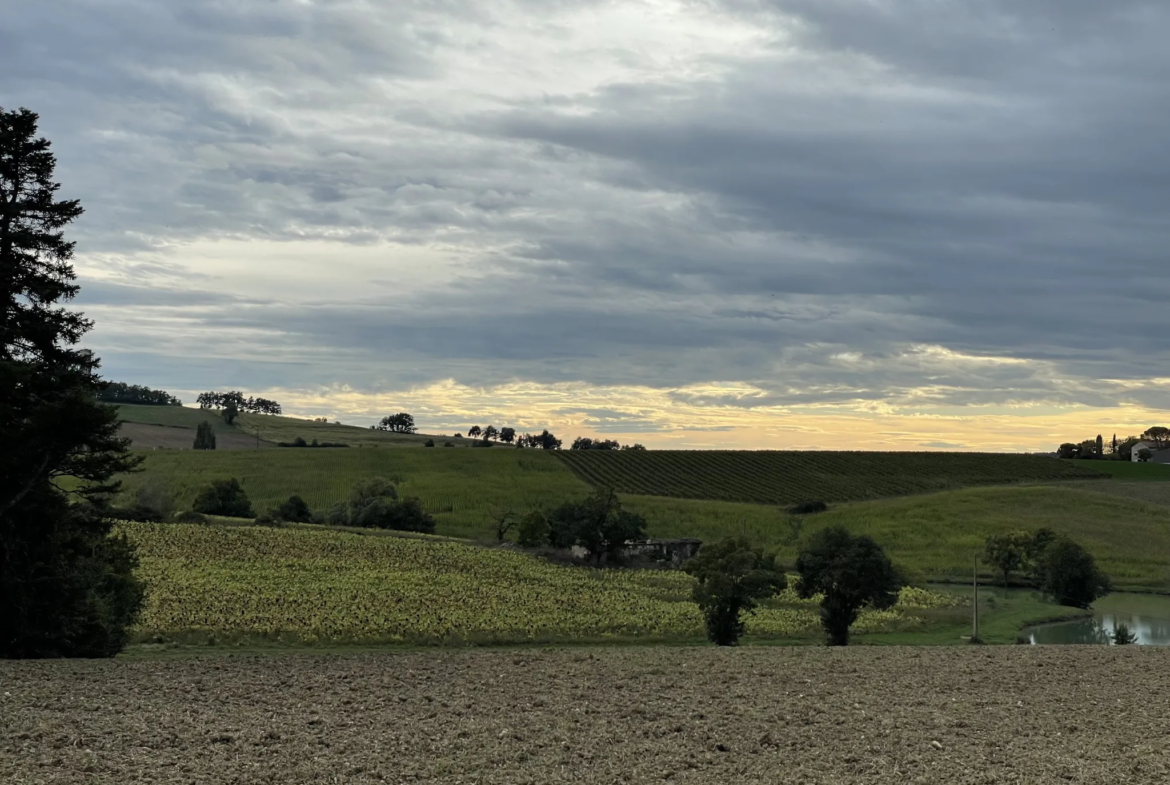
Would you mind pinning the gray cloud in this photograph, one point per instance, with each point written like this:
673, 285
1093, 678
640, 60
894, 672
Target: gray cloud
862, 180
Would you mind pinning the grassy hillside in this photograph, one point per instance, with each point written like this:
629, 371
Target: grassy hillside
1128, 471
774, 477
938, 535
460, 487
935, 534
272, 429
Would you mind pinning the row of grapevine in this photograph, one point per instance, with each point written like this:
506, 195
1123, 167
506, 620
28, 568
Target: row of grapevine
778, 477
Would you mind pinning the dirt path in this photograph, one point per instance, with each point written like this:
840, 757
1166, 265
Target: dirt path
677, 715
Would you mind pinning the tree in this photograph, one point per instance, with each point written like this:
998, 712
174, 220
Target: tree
1068, 450
1087, 449
1159, 435
490, 433
1069, 574
230, 412
1123, 636
398, 423
598, 524
507, 435
546, 441
533, 529
366, 492
851, 572
204, 437
732, 577
473, 431
1100, 447
119, 392
224, 497
1008, 553
295, 510
1113, 445
634, 446
67, 587
1144, 455
504, 521
1125, 448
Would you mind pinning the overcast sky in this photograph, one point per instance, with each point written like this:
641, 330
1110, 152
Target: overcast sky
757, 223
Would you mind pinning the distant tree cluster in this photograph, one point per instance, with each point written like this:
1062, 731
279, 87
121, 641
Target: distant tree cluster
119, 392
374, 504
1157, 435
597, 523
300, 442
236, 401
1056, 564
543, 440
585, 443
397, 423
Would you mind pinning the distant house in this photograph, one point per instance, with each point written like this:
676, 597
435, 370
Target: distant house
1157, 455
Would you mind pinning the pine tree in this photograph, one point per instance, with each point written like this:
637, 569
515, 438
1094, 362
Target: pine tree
204, 436
66, 586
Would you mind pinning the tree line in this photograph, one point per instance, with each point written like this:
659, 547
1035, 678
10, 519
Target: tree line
235, 401
1117, 449
120, 392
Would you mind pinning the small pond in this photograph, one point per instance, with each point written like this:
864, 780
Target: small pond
1146, 615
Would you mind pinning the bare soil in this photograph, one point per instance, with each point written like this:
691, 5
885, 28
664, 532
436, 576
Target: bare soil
621, 715
170, 437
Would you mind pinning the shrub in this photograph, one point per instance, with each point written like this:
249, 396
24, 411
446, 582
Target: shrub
429, 443
1123, 636
368, 491
808, 508
224, 497
337, 515
732, 577
383, 513
190, 516
295, 510
598, 524
448, 444
533, 530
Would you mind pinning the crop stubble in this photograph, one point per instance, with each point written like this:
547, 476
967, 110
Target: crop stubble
596, 715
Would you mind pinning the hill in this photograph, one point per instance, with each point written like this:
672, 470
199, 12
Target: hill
937, 536
173, 427
775, 477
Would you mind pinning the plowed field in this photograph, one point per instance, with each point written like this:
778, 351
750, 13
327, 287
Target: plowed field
965, 716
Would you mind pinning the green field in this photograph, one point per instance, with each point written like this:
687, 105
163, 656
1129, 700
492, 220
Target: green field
775, 477
935, 536
311, 585
1127, 470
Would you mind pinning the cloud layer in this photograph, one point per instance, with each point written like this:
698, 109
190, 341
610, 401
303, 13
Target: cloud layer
858, 210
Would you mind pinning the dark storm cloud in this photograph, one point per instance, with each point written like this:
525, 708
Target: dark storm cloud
803, 215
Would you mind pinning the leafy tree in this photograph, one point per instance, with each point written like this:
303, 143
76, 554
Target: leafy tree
1069, 574
1125, 448
1100, 447
532, 530
1144, 455
546, 441
367, 492
851, 572
1069, 450
67, 587
473, 431
295, 510
230, 412
224, 497
507, 435
598, 524
1159, 435
1113, 446
204, 437
1008, 553
634, 446
398, 423
1087, 449
385, 513
490, 433
732, 577
429, 443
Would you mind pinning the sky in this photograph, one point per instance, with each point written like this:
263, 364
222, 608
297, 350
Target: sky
785, 224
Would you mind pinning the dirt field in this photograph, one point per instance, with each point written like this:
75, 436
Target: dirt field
147, 437
680, 715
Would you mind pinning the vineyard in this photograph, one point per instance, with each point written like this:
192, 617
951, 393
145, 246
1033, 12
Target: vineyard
314, 586
775, 477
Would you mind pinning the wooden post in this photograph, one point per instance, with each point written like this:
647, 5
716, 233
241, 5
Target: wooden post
975, 604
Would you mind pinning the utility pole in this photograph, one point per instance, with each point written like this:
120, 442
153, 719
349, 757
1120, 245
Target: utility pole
975, 604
